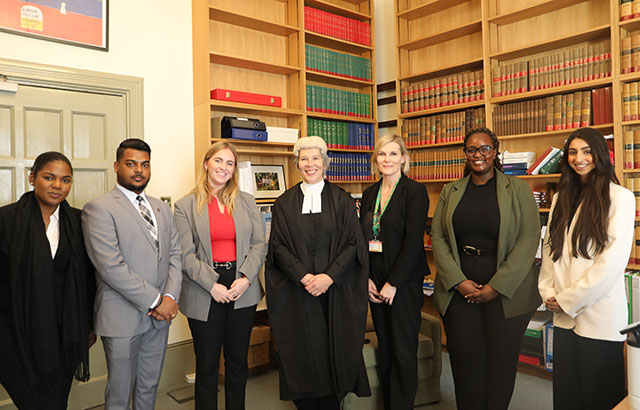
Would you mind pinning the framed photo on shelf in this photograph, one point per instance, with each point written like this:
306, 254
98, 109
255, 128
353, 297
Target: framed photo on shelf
268, 180
78, 23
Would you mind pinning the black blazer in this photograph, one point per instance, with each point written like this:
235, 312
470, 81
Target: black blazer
402, 229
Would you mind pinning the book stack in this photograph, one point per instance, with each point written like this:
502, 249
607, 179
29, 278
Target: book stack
630, 98
547, 163
532, 349
338, 102
342, 135
632, 289
557, 112
541, 199
429, 164
349, 167
443, 92
548, 346
517, 163
441, 128
633, 185
332, 62
630, 53
554, 69
333, 25
629, 9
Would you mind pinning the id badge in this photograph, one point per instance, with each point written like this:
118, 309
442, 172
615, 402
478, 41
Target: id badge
375, 246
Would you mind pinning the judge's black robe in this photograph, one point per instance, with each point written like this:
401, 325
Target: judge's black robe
301, 333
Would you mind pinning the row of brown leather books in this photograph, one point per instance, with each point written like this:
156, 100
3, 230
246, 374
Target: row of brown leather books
630, 54
629, 9
429, 164
441, 128
633, 185
554, 69
443, 92
631, 101
631, 149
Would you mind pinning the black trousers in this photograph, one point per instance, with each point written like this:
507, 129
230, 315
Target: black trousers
14, 380
483, 348
588, 374
226, 327
397, 328
322, 403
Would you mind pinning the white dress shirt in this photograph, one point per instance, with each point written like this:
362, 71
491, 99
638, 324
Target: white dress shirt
53, 231
312, 203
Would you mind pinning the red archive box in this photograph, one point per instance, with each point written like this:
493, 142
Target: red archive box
243, 97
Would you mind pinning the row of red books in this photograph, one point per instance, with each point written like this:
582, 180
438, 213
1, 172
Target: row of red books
333, 25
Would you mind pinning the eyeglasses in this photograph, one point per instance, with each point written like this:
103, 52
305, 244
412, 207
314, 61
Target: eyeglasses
484, 150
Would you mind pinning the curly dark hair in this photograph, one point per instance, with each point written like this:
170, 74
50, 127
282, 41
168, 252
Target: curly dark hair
46, 157
494, 141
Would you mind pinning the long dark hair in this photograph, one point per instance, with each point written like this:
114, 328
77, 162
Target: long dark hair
592, 224
494, 141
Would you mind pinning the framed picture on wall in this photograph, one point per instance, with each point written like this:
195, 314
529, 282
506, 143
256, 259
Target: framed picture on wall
80, 23
268, 180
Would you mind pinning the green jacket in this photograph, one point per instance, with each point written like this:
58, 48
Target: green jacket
516, 278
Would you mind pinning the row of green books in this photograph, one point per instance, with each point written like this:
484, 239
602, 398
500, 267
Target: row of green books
338, 102
331, 62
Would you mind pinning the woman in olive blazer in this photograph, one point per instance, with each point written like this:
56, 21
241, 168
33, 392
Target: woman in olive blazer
220, 289
485, 233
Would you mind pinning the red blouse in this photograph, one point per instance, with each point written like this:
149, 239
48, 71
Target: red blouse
223, 233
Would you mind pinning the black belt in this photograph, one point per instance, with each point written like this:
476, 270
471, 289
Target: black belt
226, 265
473, 251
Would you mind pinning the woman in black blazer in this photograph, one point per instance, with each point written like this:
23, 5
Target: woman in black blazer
393, 216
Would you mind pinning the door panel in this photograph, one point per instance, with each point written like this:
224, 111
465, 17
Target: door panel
86, 127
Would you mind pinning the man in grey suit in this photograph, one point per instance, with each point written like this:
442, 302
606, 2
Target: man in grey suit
133, 243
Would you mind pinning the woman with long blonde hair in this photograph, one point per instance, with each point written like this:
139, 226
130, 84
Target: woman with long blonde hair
223, 249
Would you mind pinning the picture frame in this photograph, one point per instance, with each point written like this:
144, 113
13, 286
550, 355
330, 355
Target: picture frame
268, 181
78, 23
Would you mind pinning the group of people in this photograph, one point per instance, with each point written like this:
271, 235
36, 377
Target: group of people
326, 266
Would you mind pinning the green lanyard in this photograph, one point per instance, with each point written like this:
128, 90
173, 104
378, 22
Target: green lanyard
377, 214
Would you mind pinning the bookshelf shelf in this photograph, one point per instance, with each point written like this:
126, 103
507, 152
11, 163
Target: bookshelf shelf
586, 35
543, 210
533, 10
629, 123
474, 64
440, 144
334, 43
254, 143
253, 23
629, 77
254, 109
430, 7
428, 181
448, 108
630, 25
585, 85
546, 176
632, 266
631, 171
603, 128
335, 9
464, 30
251, 64
320, 115
265, 152
337, 80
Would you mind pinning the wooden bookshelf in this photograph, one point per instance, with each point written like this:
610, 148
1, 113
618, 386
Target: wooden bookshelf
258, 46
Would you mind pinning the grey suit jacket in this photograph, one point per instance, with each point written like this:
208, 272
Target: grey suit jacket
195, 239
130, 272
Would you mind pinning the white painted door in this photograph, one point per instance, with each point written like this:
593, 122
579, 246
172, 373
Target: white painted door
86, 127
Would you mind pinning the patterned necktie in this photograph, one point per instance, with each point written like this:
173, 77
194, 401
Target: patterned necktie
146, 215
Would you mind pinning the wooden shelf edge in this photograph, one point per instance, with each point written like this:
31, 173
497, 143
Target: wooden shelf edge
253, 23
463, 66
543, 176
338, 80
559, 42
347, 44
321, 115
629, 123
544, 210
629, 25
552, 133
533, 10
428, 181
629, 77
456, 107
429, 7
335, 9
255, 109
437, 145
632, 266
446, 35
251, 64
552, 91
631, 171
263, 152
267, 143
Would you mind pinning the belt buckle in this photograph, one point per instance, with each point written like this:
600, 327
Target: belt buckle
226, 265
471, 250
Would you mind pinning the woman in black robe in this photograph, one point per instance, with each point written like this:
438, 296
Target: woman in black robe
316, 277
47, 285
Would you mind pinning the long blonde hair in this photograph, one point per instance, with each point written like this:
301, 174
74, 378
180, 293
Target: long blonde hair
227, 195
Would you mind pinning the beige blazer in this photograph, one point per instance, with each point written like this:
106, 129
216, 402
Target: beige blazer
591, 291
199, 275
